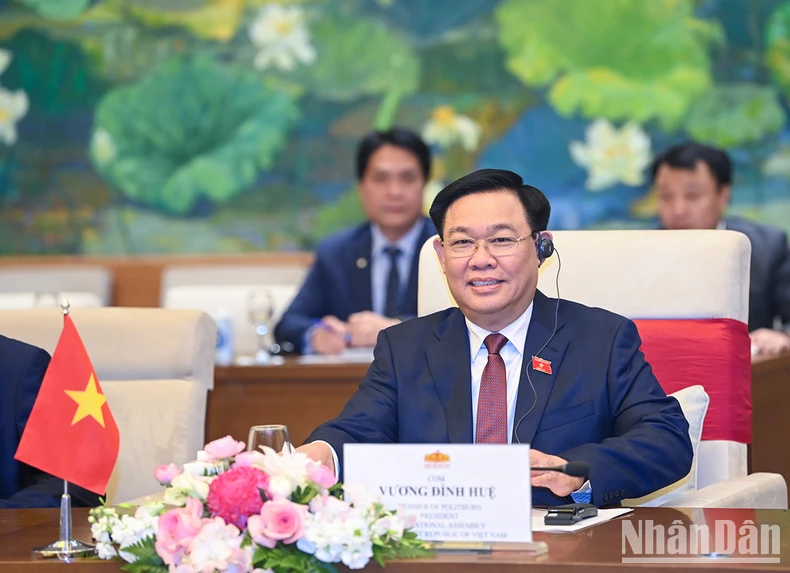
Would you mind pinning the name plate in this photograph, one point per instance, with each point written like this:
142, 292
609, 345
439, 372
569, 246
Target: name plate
459, 492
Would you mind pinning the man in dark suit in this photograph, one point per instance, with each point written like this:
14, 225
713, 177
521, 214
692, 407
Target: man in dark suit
22, 369
502, 369
693, 185
365, 279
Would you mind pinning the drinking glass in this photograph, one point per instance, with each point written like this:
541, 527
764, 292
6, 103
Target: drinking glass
260, 311
274, 436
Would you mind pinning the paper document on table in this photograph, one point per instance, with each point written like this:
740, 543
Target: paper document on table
603, 516
350, 355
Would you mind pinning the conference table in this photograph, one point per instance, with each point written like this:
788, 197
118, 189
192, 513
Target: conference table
600, 547
302, 396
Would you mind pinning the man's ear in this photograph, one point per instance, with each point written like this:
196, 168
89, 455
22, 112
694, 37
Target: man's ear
439, 248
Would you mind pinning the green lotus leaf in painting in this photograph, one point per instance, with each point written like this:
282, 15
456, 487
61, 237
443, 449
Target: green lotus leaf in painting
777, 44
193, 128
58, 9
730, 116
623, 59
364, 59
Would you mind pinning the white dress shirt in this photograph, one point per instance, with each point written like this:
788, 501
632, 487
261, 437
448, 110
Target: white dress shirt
380, 262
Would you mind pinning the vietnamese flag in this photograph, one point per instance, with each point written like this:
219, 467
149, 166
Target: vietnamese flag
71, 433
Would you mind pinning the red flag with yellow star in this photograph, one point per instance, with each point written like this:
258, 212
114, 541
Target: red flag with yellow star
71, 433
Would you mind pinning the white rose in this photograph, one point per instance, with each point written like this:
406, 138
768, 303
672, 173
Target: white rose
280, 486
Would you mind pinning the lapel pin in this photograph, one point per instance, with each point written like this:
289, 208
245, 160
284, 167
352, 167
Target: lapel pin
541, 365
362, 263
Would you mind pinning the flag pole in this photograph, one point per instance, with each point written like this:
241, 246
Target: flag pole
66, 548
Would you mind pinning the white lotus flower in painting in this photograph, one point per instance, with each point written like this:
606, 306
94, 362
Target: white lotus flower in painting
612, 156
13, 107
281, 37
447, 127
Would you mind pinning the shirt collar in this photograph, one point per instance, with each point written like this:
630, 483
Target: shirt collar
515, 332
407, 243
722, 225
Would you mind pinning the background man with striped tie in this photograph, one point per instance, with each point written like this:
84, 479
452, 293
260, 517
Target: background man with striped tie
511, 365
365, 278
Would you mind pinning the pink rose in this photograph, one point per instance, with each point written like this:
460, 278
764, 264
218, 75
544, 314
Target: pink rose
322, 475
248, 459
176, 530
280, 520
235, 494
164, 474
223, 448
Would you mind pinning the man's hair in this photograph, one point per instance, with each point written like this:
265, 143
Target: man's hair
686, 156
536, 205
399, 137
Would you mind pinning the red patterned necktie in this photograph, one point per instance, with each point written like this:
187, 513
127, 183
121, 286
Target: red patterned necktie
492, 401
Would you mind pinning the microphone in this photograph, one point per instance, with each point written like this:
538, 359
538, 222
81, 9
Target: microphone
573, 469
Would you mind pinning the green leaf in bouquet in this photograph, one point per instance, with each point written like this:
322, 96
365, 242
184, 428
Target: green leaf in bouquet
349, 64
303, 496
192, 128
734, 115
289, 559
640, 60
147, 559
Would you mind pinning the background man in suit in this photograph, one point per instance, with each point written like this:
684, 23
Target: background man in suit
365, 279
468, 374
22, 369
692, 182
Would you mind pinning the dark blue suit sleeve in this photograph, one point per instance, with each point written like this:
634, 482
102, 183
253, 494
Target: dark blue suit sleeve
371, 415
309, 305
650, 446
38, 489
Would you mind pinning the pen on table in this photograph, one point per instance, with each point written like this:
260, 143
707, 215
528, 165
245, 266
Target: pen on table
324, 326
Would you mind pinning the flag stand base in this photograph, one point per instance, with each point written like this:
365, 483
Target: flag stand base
65, 550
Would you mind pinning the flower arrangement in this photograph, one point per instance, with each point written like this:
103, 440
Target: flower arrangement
237, 511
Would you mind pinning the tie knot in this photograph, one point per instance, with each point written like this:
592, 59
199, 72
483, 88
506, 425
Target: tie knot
495, 342
392, 252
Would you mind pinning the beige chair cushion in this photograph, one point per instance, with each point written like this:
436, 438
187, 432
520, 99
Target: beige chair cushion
155, 366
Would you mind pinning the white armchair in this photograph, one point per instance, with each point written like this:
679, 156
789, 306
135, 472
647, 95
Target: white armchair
217, 289
683, 289
155, 366
30, 286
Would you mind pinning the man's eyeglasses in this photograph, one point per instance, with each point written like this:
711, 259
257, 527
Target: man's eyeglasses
497, 246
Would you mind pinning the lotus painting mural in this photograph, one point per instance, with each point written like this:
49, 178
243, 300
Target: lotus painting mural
223, 126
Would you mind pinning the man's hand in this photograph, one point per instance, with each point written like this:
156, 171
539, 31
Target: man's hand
560, 484
319, 452
330, 336
770, 342
364, 327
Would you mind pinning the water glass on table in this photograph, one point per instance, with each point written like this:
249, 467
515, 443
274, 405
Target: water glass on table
274, 436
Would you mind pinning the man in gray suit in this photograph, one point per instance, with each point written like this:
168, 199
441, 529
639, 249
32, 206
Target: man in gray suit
693, 184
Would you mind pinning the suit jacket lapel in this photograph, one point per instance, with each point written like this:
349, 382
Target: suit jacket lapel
360, 260
530, 403
448, 360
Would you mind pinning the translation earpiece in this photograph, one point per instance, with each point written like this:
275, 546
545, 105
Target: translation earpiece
545, 247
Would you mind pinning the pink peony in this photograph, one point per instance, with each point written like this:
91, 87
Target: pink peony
165, 474
248, 459
223, 448
322, 475
236, 494
176, 530
280, 520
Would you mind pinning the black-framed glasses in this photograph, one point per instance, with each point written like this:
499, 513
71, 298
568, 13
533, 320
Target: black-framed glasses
497, 246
